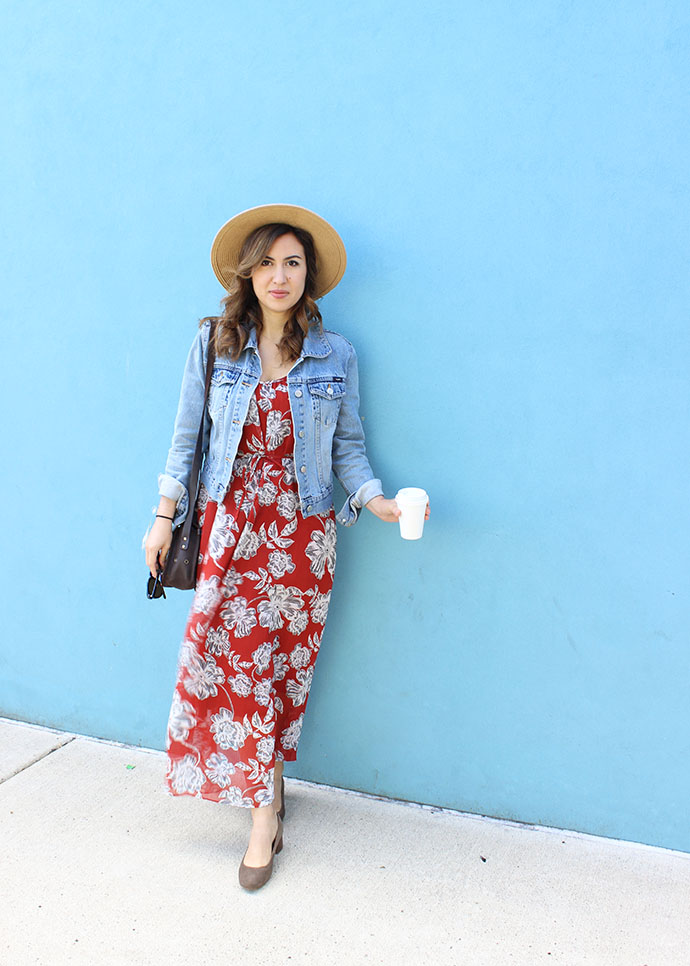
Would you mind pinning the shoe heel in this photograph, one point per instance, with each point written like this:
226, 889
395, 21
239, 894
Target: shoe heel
282, 798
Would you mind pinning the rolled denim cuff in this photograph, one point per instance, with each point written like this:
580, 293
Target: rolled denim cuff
350, 510
171, 488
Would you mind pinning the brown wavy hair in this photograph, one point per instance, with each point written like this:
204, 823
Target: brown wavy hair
241, 310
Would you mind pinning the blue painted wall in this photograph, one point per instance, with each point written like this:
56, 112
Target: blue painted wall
511, 181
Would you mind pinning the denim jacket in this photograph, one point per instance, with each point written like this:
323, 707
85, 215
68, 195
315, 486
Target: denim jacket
324, 401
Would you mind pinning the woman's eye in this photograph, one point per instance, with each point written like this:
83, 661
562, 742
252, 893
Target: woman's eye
266, 262
293, 264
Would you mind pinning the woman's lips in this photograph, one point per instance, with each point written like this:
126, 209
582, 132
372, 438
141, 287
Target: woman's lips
278, 294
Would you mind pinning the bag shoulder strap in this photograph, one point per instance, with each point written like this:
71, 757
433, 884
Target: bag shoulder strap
196, 462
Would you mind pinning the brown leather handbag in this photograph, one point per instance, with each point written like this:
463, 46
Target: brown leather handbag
183, 557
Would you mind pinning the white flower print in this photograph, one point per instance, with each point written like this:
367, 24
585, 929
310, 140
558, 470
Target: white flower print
202, 677
300, 656
227, 732
241, 465
298, 623
288, 502
264, 796
262, 692
182, 719
262, 657
186, 777
238, 617
195, 636
206, 596
267, 493
240, 684
280, 540
280, 563
277, 429
269, 613
256, 446
220, 770
290, 737
221, 536
231, 582
244, 499
233, 796
278, 704
261, 726
248, 543
218, 641
290, 600
282, 602
255, 772
280, 666
319, 607
299, 690
289, 471
264, 750
202, 498
321, 549
266, 396
252, 414
188, 653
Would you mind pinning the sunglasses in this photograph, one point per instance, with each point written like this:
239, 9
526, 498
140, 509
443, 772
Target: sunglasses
154, 585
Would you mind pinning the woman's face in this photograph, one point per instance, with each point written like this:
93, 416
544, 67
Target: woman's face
280, 277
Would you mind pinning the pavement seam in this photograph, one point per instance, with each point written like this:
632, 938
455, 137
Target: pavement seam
477, 817
34, 761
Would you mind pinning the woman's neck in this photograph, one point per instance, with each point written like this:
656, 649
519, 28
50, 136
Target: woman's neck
273, 325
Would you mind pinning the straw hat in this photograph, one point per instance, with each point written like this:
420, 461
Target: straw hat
330, 251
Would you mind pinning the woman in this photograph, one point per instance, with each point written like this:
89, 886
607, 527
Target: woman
282, 416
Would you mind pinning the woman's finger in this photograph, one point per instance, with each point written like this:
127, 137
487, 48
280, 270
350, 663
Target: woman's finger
151, 562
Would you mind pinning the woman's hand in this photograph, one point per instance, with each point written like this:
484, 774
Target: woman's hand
387, 510
158, 542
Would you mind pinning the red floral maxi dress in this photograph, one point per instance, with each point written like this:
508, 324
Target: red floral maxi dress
254, 630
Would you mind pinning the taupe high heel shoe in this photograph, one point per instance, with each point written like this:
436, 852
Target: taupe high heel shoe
254, 877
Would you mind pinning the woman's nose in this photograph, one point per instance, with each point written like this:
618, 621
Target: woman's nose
279, 273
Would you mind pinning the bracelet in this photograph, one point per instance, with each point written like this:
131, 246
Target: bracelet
161, 517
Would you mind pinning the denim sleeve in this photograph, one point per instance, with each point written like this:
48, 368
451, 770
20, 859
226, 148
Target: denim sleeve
174, 482
349, 456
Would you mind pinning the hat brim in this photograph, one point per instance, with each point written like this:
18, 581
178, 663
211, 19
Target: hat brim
330, 250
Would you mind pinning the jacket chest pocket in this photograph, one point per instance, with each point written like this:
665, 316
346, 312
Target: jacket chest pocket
223, 382
326, 396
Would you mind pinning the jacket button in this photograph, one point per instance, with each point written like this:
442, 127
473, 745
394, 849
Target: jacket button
298, 393
303, 469
330, 390
309, 509
301, 434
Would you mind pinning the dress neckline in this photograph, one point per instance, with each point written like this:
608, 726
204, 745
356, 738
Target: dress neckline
269, 382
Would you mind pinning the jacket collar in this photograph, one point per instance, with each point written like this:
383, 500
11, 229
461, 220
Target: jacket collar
315, 343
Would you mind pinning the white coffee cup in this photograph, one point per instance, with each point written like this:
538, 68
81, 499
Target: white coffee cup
412, 502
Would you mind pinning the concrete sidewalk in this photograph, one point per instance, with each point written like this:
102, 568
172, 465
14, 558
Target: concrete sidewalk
100, 866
